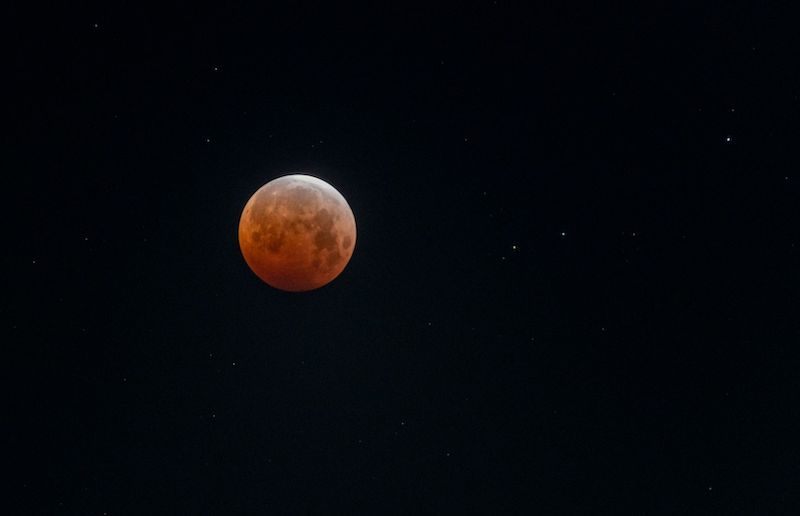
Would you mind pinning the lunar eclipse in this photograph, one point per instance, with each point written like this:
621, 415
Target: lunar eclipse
297, 233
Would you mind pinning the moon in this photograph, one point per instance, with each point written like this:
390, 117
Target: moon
297, 233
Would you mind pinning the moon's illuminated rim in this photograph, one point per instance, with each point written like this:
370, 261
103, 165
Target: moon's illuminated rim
297, 232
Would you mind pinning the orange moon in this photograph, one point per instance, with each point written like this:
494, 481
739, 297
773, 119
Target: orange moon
297, 233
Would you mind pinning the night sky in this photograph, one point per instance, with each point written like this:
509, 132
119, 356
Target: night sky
575, 288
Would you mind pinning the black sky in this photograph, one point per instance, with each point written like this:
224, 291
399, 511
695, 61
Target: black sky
574, 291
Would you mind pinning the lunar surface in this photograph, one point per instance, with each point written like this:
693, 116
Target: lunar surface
297, 233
